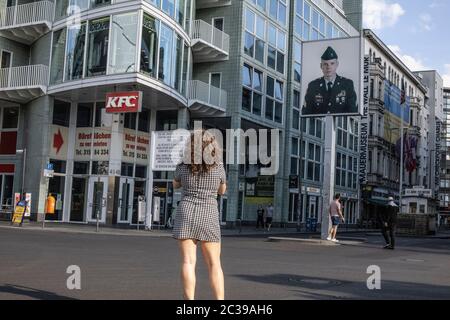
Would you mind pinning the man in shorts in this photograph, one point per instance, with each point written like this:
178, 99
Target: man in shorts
336, 217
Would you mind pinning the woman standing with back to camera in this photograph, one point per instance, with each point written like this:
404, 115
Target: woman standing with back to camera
197, 216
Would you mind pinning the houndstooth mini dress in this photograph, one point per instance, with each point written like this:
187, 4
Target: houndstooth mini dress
197, 215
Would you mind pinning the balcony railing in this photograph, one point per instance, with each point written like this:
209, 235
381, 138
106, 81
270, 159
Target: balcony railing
24, 77
206, 94
26, 23
22, 84
30, 13
215, 38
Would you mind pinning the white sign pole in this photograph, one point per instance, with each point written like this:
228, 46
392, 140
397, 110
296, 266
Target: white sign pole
329, 173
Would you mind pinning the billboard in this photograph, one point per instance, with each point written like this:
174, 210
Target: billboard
332, 77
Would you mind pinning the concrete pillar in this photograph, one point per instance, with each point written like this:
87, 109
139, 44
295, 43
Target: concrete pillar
329, 173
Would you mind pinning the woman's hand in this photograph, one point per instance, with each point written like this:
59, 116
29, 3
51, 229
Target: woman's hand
176, 184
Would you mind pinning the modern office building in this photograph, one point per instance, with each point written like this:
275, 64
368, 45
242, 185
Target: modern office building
231, 64
386, 117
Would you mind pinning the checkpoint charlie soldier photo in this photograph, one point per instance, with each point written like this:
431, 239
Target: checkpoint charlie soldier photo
331, 93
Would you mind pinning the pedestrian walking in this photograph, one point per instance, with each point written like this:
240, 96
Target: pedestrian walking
269, 217
336, 216
197, 217
389, 223
260, 217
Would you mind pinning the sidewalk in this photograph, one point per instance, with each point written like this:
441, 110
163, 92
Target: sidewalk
119, 231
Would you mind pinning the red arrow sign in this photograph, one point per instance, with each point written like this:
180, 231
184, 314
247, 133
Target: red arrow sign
58, 141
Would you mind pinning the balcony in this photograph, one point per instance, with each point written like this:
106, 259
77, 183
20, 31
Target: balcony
376, 68
23, 84
27, 22
203, 4
415, 102
206, 100
209, 44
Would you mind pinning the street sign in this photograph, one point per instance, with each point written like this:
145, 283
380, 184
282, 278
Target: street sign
50, 166
48, 173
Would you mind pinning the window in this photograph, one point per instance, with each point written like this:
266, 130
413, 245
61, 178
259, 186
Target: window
149, 45
296, 110
129, 121
297, 62
165, 54
123, 43
58, 55
10, 118
276, 48
126, 169
254, 35
97, 47
313, 162
277, 10
81, 167
76, 39
274, 100
253, 90
144, 121
61, 113
84, 115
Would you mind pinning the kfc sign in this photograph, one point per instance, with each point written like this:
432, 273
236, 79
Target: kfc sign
118, 102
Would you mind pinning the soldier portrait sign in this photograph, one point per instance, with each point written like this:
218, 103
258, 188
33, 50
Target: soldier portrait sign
331, 81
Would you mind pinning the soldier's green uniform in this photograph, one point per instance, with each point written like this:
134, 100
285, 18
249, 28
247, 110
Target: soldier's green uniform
341, 98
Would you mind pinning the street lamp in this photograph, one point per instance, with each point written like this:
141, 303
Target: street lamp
24, 152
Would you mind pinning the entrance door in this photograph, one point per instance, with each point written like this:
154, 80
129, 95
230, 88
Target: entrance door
77, 204
126, 189
5, 62
97, 193
312, 207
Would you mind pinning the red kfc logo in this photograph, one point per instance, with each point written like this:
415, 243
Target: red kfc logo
118, 102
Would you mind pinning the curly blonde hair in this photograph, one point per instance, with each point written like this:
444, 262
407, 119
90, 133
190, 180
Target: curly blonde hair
201, 160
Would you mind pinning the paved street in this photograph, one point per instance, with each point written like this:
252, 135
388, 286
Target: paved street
33, 265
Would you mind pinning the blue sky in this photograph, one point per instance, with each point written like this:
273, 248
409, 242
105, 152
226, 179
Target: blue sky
416, 30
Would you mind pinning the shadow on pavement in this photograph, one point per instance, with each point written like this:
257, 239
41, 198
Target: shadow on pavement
324, 288
32, 293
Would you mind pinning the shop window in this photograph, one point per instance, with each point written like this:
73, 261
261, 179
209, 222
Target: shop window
58, 166
166, 120
7, 196
100, 115
56, 190
141, 172
61, 113
10, 118
81, 167
84, 115
100, 167
129, 121
8, 142
126, 169
144, 121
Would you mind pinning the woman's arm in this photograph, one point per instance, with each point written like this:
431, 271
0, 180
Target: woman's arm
222, 189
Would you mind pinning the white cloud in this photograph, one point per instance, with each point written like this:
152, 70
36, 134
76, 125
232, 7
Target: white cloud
379, 14
446, 76
426, 22
414, 64
435, 4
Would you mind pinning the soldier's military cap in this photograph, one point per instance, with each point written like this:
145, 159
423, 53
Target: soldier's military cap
329, 54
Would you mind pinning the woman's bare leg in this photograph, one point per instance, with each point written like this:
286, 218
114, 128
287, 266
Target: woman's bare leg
188, 250
211, 255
